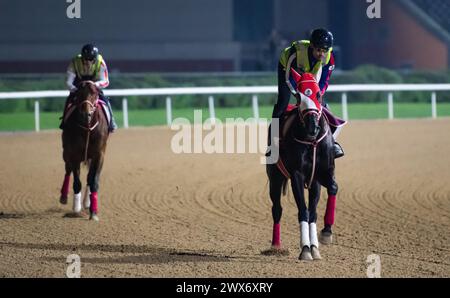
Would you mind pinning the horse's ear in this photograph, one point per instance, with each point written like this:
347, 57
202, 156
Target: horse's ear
297, 77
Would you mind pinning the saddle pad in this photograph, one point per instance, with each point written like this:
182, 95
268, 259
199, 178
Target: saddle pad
105, 110
72, 107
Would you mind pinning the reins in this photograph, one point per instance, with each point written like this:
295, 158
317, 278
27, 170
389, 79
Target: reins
314, 144
89, 128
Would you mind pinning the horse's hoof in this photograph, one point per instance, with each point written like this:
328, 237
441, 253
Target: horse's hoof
315, 253
326, 238
305, 255
63, 200
93, 217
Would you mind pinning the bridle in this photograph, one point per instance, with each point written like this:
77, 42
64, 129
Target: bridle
92, 109
314, 143
89, 127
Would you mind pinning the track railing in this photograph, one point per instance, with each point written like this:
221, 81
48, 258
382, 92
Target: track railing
254, 90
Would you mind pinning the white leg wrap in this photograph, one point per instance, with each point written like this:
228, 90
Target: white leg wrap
87, 199
313, 234
77, 202
304, 227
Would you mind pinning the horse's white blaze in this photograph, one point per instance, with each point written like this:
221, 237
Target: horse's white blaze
77, 202
304, 226
87, 200
313, 234
308, 104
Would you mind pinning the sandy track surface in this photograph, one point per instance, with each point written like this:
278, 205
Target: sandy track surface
209, 215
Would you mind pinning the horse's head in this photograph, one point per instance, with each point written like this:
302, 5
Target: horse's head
309, 107
86, 99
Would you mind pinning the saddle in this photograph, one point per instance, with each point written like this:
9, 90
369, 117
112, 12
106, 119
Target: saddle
291, 112
71, 107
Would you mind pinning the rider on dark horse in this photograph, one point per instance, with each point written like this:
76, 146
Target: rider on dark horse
88, 66
314, 56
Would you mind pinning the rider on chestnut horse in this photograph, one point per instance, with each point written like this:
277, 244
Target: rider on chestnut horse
88, 66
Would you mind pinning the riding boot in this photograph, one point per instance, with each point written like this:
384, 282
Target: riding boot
338, 151
61, 125
269, 140
68, 99
269, 137
112, 124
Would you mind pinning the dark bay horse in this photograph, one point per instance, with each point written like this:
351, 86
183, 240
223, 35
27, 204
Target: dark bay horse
84, 138
307, 158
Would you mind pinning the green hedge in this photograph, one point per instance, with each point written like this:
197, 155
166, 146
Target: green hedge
365, 74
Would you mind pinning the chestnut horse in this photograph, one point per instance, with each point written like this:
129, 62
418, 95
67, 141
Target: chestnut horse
84, 139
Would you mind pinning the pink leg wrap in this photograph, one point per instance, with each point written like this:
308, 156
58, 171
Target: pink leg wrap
65, 186
94, 199
329, 213
276, 235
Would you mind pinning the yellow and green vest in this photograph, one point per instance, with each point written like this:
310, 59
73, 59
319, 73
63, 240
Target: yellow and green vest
92, 73
301, 49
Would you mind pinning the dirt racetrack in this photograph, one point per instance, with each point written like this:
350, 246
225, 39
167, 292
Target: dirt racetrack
209, 215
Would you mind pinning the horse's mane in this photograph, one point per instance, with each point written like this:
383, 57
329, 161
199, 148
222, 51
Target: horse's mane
86, 90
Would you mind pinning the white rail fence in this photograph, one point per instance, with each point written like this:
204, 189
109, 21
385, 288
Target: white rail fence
254, 90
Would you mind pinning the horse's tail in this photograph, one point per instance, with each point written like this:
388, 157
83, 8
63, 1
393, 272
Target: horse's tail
284, 186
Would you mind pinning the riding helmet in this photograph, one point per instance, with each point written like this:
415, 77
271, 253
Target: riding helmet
89, 52
321, 38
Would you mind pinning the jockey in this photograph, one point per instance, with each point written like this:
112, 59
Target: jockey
88, 66
313, 56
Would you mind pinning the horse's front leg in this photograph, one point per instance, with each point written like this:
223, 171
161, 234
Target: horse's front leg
93, 182
276, 180
66, 183
297, 182
314, 197
76, 189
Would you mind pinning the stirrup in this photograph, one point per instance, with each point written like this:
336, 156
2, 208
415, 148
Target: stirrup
338, 151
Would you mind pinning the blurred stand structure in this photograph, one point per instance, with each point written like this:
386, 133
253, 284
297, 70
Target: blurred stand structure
220, 35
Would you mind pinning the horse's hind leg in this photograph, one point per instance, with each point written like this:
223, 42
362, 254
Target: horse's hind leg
76, 189
276, 180
93, 182
314, 197
326, 235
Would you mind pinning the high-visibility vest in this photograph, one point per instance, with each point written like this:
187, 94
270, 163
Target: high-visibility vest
301, 49
92, 73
